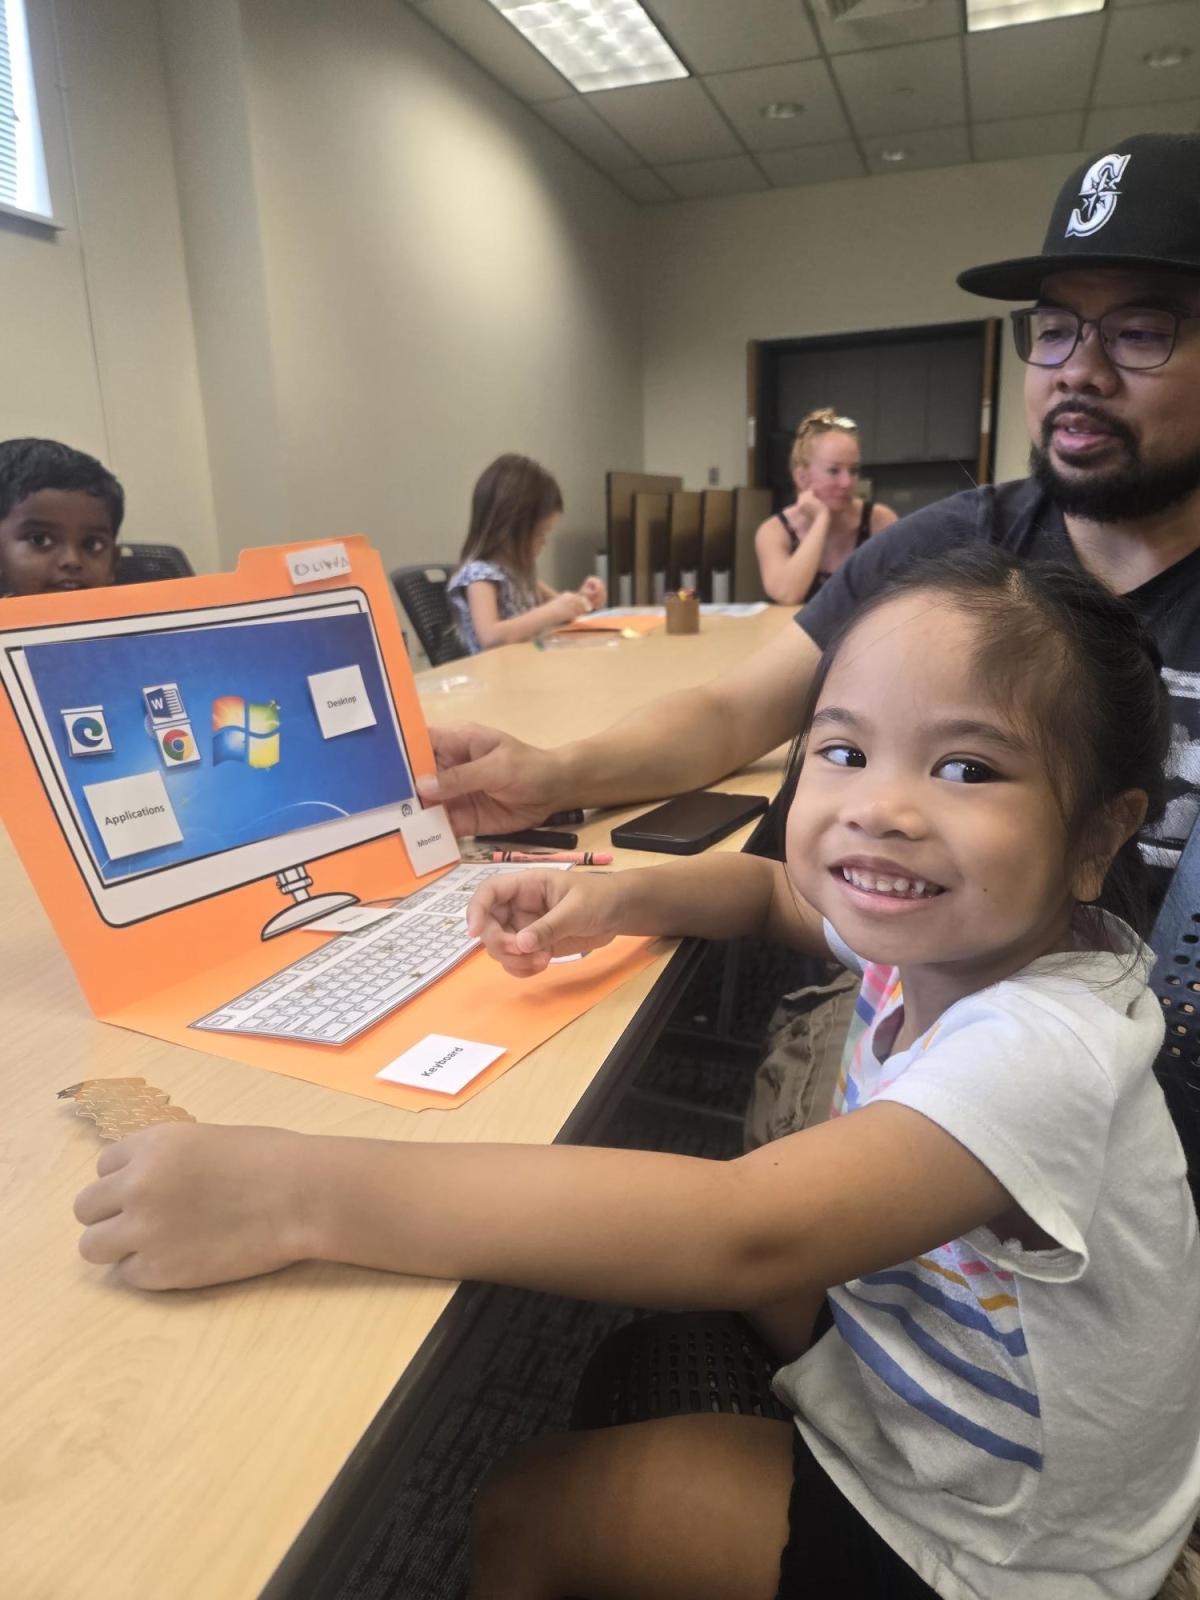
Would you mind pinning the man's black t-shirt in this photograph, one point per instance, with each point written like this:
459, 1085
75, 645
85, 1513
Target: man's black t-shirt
1020, 519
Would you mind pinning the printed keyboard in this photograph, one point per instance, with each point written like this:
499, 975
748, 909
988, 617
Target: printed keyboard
351, 981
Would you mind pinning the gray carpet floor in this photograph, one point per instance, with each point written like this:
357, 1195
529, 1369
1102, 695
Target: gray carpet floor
517, 1372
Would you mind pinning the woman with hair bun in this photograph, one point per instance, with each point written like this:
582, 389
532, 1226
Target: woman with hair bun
802, 545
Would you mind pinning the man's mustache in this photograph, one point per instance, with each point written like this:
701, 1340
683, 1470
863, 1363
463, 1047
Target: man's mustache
1083, 408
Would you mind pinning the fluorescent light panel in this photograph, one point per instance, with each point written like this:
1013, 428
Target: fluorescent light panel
595, 44
985, 14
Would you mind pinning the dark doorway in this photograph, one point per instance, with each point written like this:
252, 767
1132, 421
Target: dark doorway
924, 400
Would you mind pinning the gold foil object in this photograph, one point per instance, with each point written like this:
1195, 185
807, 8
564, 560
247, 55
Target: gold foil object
122, 1105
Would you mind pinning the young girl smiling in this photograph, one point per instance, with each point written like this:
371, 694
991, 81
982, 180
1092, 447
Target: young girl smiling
994, 1235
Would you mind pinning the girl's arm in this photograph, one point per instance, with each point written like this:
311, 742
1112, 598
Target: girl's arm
491, 631
788, 575
525, 919
180, 1206
882, 517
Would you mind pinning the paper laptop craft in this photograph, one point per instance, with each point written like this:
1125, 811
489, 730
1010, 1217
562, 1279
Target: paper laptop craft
197, 770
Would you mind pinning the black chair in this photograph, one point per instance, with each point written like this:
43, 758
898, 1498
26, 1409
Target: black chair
677, 1364
422, 593
149, 563
1176, 981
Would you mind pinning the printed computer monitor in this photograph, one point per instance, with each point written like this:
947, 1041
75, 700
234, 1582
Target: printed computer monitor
186, 753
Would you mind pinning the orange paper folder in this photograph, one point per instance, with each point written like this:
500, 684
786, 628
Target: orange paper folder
159, 743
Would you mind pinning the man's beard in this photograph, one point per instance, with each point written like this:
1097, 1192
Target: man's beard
1120, 494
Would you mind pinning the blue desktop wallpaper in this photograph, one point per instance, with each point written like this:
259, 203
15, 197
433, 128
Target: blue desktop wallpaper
265, 770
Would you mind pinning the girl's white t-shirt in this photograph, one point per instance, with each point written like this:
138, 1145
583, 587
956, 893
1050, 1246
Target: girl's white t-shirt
1025, 1425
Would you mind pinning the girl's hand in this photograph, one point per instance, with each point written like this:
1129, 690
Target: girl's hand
566, 607
181, 1205
526, 919
810, 507
594, 592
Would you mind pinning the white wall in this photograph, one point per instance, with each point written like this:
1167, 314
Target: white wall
95, 320
316, 269
445, 280
841, 257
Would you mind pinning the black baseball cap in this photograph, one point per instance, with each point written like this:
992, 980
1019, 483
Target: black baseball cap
1136, 205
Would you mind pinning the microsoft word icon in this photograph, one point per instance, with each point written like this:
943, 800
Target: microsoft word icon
244, 731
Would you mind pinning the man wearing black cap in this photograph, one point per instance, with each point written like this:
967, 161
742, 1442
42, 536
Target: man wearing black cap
1112, 399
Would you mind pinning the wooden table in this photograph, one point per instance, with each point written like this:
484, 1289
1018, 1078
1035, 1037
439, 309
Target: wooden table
177, 1445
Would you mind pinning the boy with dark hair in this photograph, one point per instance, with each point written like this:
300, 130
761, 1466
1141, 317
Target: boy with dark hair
60, 513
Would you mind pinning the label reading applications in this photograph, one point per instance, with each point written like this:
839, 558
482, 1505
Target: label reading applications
318, 564
133, 814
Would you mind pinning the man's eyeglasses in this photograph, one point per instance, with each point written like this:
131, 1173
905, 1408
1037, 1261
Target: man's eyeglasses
1133, 337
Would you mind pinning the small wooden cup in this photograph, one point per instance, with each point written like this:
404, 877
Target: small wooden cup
683, 613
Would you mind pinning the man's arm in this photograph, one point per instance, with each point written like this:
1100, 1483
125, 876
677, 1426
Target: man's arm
681, 742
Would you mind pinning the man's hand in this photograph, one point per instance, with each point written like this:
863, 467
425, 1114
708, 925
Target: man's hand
527, 919
490, 782
179, 1205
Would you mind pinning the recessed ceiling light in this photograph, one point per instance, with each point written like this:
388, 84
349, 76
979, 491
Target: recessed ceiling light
1171, 55
595, 44
894, 155
781, 110
985, 14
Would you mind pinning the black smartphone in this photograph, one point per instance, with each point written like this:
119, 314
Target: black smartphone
689, 823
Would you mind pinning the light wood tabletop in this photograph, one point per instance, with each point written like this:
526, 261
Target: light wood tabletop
176, 1445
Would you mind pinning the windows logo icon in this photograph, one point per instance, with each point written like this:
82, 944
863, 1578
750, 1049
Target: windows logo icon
245, 731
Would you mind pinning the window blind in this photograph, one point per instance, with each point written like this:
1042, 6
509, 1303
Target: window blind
8, 118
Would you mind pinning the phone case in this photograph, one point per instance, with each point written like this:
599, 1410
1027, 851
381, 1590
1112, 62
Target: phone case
690, 823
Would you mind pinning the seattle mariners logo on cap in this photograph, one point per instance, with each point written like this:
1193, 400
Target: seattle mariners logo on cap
1098, 196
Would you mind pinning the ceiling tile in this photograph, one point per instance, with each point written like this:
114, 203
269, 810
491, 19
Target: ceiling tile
590, 135
697, 180
1041, 66
1027, 136
821, 163
935, 147
1124, 78
667, 122
642, 185
716, 36
907, 86
482, 32
1115, 123
937, 20
741, 95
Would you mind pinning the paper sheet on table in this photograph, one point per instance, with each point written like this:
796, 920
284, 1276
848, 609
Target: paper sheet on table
612, 621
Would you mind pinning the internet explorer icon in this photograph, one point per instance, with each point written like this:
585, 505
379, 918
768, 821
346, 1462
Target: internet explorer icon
245, 731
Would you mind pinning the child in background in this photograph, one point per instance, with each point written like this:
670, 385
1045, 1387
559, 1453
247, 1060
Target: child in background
496, 595
995, 1226
60, 513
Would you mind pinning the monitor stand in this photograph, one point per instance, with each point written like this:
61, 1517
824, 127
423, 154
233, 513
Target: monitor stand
307, 908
